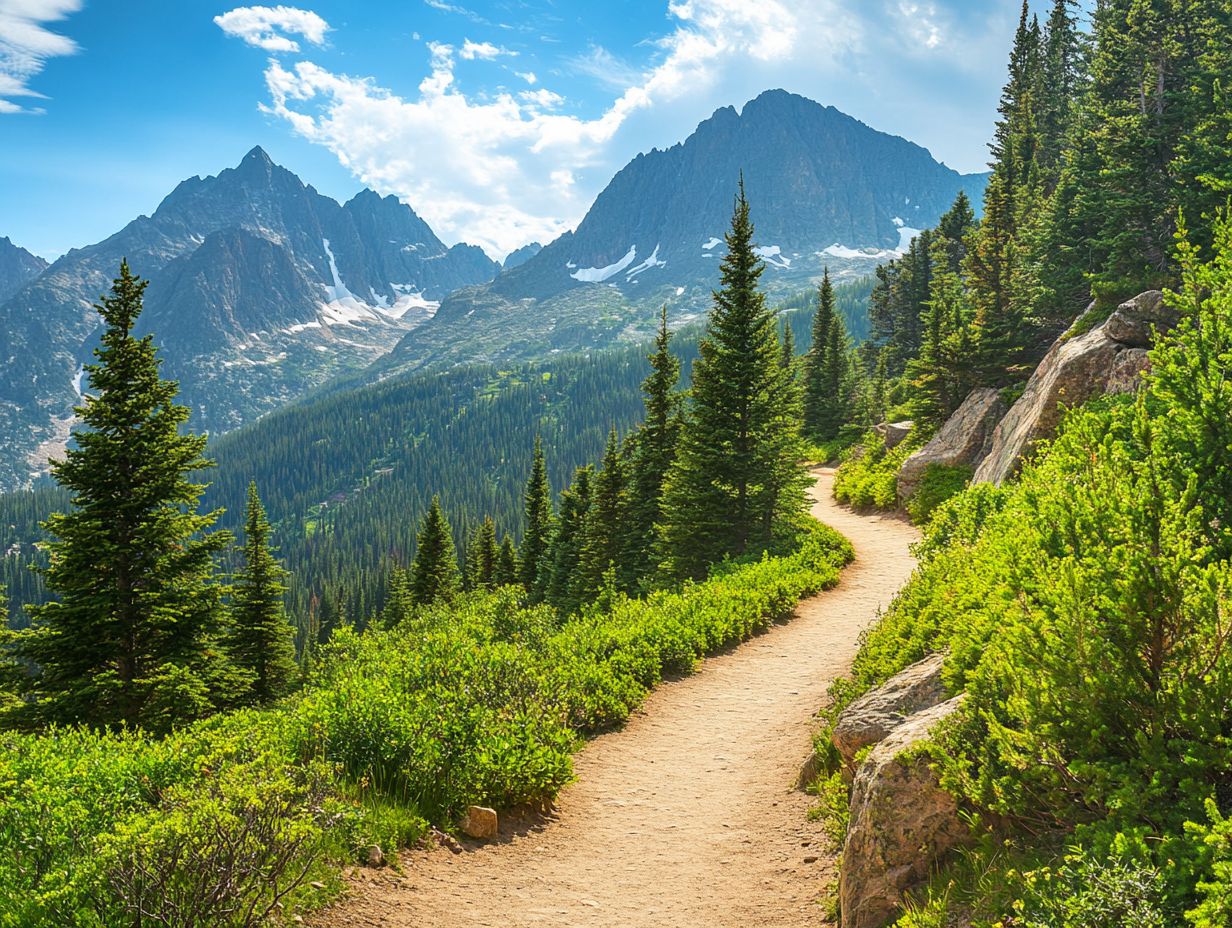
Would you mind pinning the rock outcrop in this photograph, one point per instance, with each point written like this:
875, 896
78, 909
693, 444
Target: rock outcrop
878, 712
480, 822
964, 440
1077, 368
902, 822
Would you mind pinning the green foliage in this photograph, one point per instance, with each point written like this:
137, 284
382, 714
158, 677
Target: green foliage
480, 700
827, 370
132, 636
434, 575
1089, 890
260, 641
938, 484
538, 518
738, 474
868, 475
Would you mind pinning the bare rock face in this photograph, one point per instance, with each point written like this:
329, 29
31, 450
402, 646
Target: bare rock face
902, 823
965, 439
481, 823
878, 712
893, 433
1107, 359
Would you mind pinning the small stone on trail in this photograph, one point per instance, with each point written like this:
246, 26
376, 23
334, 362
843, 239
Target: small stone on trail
480, 822
374, 856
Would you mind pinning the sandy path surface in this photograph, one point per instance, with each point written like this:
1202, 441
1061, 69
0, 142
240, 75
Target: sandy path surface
688, 817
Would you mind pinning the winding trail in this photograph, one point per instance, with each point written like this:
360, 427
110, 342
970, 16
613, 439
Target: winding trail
688, 817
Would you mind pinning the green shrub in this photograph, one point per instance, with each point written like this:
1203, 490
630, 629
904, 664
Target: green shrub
868, 475
938, 484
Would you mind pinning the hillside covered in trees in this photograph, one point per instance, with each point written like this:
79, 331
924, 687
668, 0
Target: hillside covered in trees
1080, 606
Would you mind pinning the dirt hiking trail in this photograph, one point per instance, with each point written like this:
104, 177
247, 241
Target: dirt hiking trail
688, 817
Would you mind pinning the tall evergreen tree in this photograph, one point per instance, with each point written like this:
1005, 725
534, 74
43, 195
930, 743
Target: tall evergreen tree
826, 403
566, 551
434, 575
508, 571
132, 638
261, 641
538, 536
653, 453
603, 528
738, 470
481, 557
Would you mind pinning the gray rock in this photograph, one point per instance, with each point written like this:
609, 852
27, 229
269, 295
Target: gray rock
893, 433
965, 439
1127, 370
374, 856
1134, 320
878, 712
902, 823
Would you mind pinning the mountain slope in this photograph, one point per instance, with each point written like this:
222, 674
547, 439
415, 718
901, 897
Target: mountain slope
826, 191
260, 288
17, 267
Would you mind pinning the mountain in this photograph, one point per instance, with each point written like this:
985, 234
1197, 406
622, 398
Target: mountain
17, 267
826, 191
260, 288
520, 256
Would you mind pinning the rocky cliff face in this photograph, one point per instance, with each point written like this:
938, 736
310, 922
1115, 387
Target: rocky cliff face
260, 288
826, 191
1080, 366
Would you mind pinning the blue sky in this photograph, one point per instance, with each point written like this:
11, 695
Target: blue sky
498, 121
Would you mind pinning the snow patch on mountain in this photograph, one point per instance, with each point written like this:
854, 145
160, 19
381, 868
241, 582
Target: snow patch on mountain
597, 275
652, 261
706, 246
772, 255
77, 378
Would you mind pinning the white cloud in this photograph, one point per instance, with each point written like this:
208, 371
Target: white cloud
483, 50
26, 44
500, 168
271, 27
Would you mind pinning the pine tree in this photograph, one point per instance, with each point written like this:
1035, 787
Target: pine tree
434, 575
738, 471
132, 638
566, 551
826, 402
508, 571
538, 500
481, 557
602, 530
654, 451
261, 641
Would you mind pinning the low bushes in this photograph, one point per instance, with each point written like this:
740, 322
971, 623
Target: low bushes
868, 475
244, 816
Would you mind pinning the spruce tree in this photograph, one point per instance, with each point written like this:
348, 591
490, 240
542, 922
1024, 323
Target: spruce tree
508, 571
261, 641
738, 471
481, 556
826, 404
602, 530
538, 535
566, 551
653, 453
132, 636
434, 575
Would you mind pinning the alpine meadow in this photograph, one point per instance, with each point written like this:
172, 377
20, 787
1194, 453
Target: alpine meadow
620, 489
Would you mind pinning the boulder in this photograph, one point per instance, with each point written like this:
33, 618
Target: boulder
964, 440
1133, 321
902, 823
481, 823
878, 712
1077, 368
893, 433
374, 856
